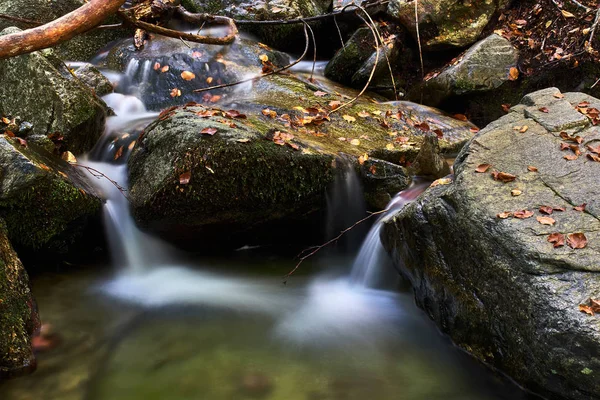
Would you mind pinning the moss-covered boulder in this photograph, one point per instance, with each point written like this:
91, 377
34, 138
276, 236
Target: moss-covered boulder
39, 88
18, 313
446, 23
505, 259
44, 201
482, 68
93, 78
80, 48
208, 170
281, 36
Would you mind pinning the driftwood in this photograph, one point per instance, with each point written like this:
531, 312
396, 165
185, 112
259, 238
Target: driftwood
55, 32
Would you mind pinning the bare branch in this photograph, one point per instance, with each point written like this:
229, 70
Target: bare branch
99, 175
64, 28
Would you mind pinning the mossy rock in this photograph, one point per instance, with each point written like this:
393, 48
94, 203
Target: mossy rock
496, 285
40, 89
44, 201
18, 313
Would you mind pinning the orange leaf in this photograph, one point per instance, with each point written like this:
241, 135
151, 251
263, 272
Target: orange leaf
187, 75
546, 220
481, 168
576, 240
184, 178
513, 74
557, 239
209, 131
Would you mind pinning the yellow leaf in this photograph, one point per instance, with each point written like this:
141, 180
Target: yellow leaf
363, 158
349, 118
355, 142
263, 57
389, 146
187, 75
513, 74
209, 79
567, 14
69, 157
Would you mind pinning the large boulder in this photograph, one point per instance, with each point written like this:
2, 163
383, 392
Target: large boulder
18, 313
492, 267
445, 23
80, 48
45, 202
39, 88
205, 169
483, 68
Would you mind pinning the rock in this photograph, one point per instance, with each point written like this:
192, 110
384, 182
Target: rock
40, 89
497, 286
278, 36
446, 23
80, 48
347, 60
44, 201
92, 78
484, 67
18, 312
185, 182
381, 181
429, 163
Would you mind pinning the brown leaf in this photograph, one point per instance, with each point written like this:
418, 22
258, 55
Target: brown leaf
516, 192
164, 69
586, 309
564, 146
156, 66
187, 75
506, 107
558, 208
594, 149
544, 109
558, 95
481, 168
531, 168
336, 104
571, 157
320, 93
184, 178
576, 240
438, 133
593, 157
546, 220
460, 117
513, 74
209, 131
234, 114
523, 214
349, 118
269, 113
423, 126
557, 239
524, 129
504, 215
567, 14
175, 92
546, 210
503, 176
580, 207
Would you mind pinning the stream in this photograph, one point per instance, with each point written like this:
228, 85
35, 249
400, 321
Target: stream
159, 324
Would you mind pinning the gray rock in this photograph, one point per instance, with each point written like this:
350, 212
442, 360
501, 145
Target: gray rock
82, 47
19, 318
497, 286
92, 78
429, 162
446, 23
40, 89
347, 60
484, 67
44, 201
381, 181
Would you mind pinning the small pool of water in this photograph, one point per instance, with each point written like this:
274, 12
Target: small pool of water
318, 339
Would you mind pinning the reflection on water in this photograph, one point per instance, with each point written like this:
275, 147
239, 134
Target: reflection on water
316, 340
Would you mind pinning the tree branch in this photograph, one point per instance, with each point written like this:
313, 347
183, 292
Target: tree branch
74, 23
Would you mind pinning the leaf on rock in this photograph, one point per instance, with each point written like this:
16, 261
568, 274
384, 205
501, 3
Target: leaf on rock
164, 69
263, 57
513, 74
557, 239
355, 142
503, 176
175, 92
546, 210
208, 131
544, 109
349, 118
363, 114
481, 168
441, 181
516, 192
235, 114
363, 158
523, 214
567, 14
269, 113
577, 240
156, 66
320, 93
594, 149
571, 157
531, 168
558, 95
184, 178
389, 147
335, 104
580, 207
187, 75
546, 220
504, 215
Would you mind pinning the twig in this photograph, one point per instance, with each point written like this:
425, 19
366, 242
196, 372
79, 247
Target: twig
275, 71
387, 59
22, 20
99, 175
594, 26
595, 83
419, 42
183, 35
327, 243
578, 4
364, 89
314, 41
339, 31
111, 26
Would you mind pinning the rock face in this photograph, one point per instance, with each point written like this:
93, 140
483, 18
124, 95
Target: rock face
44, 201
484, 67
446, 23
81, 47
40, 89
18, 312
277, 162
92, 78
497, 286
278, 36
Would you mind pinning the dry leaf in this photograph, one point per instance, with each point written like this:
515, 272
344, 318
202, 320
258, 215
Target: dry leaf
558, 95
69, 157
209, 131
389, 146
523, 129
355, 142
546, 220
557, 239
567, 14
576, 240
504, 215
546, 210
503, 176
175, 92
184, 178
319, 93
513, 74
481, 168
516, 192
164, 69
531, 168
263, 57
187, 75
349, 118
580, 208
441, 181
523, 214
363, 158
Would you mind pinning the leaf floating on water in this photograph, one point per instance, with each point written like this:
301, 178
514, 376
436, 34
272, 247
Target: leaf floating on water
546, 220
184, 178
349, 118
209, 131
577, 240
557, 239
523, 214
187, 75
482, 168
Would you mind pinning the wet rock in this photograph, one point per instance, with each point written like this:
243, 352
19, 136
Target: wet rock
44, 201
484, 67
80, 48
497, 286
381, 181
40, 89
92, 78
18, 312
278, 36
446, 23
429, 162
344, 64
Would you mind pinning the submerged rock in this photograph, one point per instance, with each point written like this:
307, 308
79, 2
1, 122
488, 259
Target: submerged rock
18, 313
39, 88
44, 201
484, 67
488, 264
446, 23
80, 48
